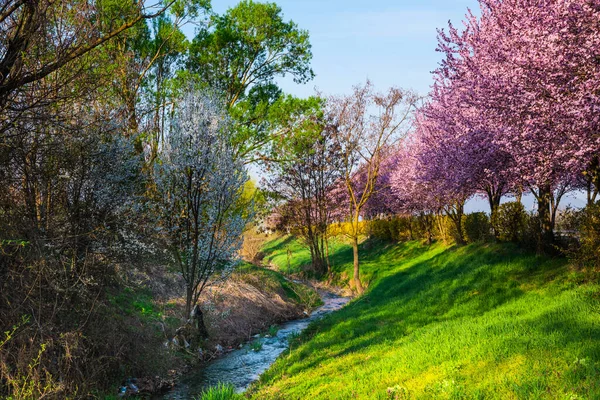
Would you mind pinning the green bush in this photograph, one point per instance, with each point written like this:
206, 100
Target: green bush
476, 227
380, 229
510, 222
396, 229
450, 231
586, 254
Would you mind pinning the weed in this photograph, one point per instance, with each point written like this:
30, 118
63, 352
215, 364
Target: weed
222, 391
273, 329
256, 345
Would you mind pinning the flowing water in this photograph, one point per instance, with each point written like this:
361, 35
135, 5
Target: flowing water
243, 366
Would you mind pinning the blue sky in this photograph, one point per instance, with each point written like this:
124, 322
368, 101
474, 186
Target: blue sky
390, 42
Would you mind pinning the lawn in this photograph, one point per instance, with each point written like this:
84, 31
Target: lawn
480, 321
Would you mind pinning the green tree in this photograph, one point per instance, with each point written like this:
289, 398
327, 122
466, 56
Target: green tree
241, 54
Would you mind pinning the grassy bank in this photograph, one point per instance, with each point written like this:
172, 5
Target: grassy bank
481, 321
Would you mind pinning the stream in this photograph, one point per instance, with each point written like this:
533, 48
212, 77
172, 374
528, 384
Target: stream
243, 366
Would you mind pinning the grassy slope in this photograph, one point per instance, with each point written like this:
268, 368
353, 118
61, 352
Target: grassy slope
275, 282
482, 321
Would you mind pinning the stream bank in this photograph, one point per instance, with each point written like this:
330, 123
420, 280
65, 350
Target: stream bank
243, 366
253, 300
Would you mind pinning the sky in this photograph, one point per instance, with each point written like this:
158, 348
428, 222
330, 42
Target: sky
390, 42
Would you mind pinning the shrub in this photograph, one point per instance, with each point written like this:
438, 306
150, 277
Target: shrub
400, 228
448, 232
381, 229
510, 221
476, 227
403, 228
586, 254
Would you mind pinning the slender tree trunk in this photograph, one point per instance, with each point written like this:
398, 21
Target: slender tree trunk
591, 193
439, 218
327, 256
189, 299
519, 195
456, 216
357, 282
593, 176
199, 322
494, 201
545, 218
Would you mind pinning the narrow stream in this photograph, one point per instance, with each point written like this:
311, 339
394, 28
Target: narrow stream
243, 366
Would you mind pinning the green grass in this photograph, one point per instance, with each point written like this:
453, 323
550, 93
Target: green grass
276, 282
477, 322
276, 253
220, 392
256, 345
139, 302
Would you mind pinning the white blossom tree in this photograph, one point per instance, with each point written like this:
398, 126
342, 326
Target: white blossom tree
198, 188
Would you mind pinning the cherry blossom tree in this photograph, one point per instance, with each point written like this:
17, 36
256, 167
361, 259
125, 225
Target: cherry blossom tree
528, 69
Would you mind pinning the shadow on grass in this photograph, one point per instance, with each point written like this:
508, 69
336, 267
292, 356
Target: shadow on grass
277, 245
416, 286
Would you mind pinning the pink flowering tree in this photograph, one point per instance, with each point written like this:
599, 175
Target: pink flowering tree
530, 70
413, 195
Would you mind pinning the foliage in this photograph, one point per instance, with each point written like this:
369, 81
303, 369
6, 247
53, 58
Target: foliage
241, 55
485, 320
250, 44
510, 221
477, 227
586, 252
33, 45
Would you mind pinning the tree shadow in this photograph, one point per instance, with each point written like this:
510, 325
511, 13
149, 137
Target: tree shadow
454, 284
277, 245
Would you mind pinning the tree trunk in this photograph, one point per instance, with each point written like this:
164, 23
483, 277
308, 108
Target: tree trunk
456, 216
197, 318
545, 220
357, 283
494, 201
189, 299
327, 257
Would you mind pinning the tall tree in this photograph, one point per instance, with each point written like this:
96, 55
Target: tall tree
198, 185
307, 166
241, 54
366, 123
